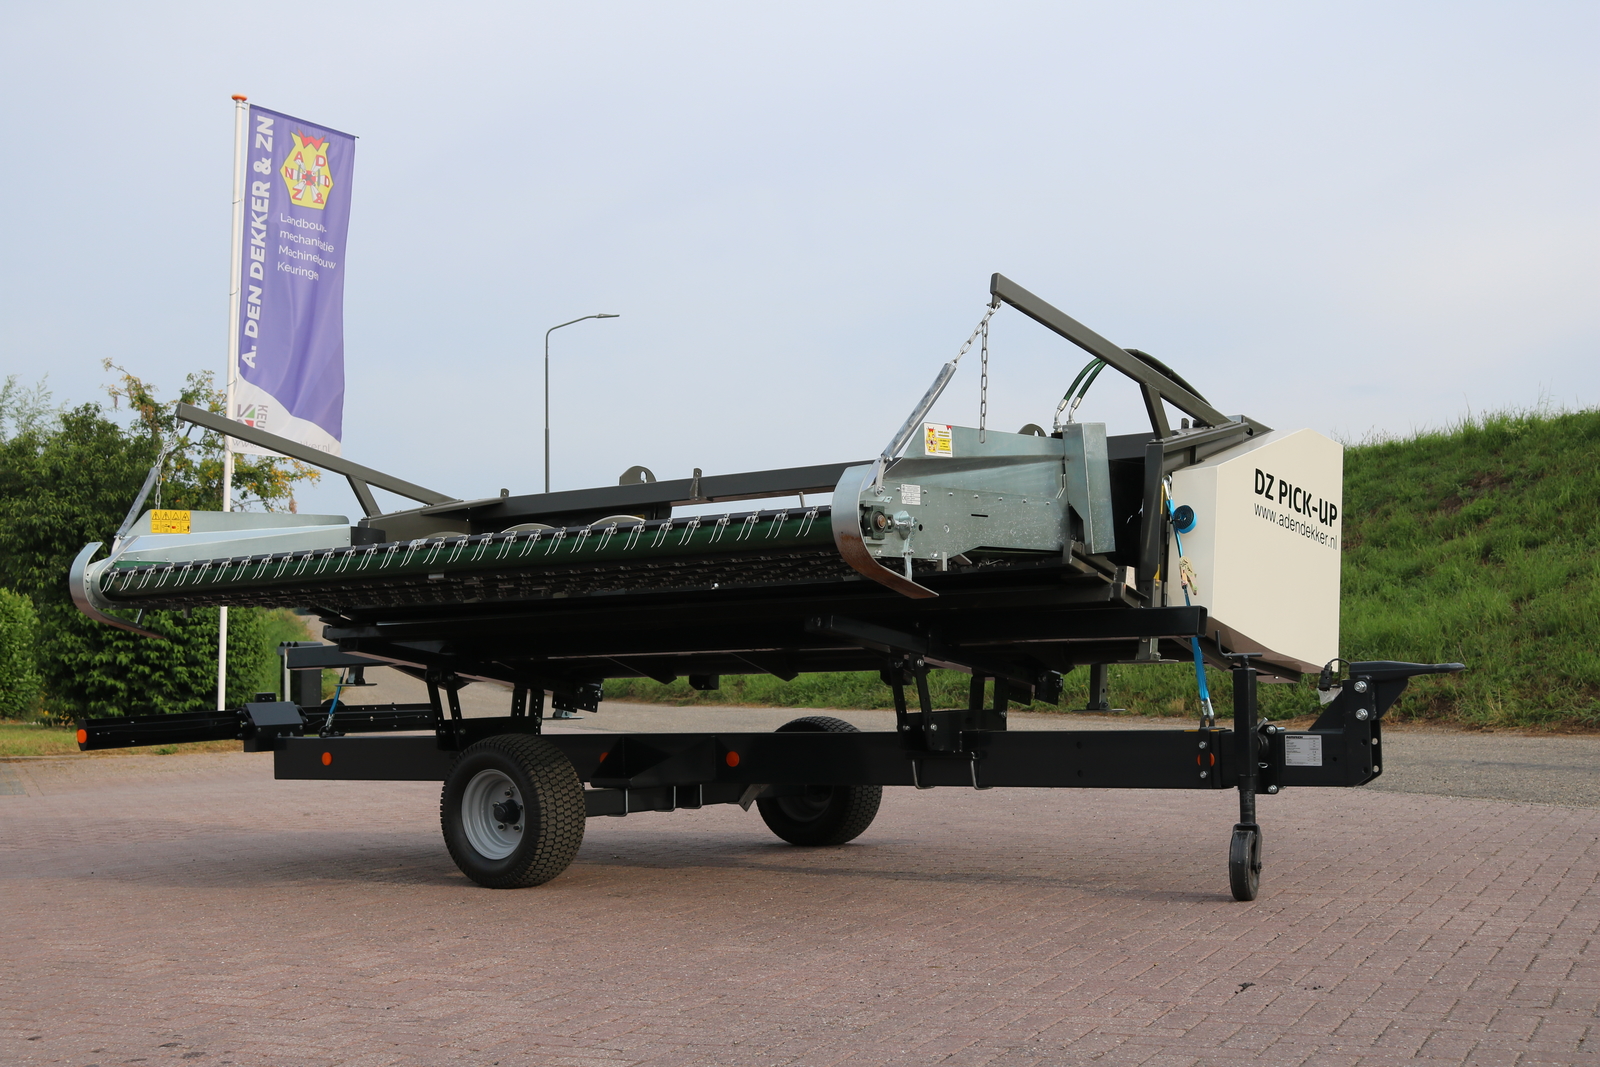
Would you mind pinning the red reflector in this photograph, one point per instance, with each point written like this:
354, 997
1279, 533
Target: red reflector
83, 736
327, 758
733, 759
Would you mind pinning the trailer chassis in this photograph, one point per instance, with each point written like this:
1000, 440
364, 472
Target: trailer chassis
629, 773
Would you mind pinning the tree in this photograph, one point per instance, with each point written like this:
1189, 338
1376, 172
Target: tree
67, 479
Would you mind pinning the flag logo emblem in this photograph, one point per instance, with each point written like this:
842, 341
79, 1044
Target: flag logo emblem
306, 172
253, 415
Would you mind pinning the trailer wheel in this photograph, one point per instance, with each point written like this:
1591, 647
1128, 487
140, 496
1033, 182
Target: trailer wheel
825, 814
512, 811
1244, 862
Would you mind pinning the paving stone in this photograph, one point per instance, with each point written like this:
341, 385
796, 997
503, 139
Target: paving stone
158, 908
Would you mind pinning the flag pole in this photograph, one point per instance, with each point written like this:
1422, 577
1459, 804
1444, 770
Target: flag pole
240, 119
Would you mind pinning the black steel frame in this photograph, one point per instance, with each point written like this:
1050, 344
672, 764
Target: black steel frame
931, 747
964, 747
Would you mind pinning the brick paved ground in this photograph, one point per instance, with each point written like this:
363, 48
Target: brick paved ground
189, 909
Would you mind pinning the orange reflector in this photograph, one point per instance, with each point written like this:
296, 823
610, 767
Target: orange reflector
327, 758
733, 759
603, 756
83, 736
1201, 759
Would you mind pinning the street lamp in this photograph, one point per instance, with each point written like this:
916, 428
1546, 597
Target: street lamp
547, 333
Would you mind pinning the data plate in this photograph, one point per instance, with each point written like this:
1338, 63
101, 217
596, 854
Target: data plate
1302, 750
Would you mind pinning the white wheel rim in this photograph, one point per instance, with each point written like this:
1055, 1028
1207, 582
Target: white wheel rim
493, 837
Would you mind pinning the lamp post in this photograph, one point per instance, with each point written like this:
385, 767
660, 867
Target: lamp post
547, 333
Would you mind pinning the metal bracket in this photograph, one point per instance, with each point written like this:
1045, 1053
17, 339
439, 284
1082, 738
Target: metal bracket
89, 601
884, 639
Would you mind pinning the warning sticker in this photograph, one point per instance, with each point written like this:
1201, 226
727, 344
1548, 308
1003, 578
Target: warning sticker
911, 494
168, 521
936, 440
1302, 750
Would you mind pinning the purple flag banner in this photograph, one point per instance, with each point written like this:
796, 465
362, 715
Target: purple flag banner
291, 297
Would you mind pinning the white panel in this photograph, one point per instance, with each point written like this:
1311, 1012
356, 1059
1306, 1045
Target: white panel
1266, 544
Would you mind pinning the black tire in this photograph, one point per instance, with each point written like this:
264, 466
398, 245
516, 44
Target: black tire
1244, 863
825, 815
512, 812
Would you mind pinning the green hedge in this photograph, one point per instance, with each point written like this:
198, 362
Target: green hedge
19, 666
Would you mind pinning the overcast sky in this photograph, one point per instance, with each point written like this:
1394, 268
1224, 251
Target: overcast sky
1352, 217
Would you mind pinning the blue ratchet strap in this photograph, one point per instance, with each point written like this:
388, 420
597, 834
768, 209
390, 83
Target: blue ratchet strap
328, 725
1194, 642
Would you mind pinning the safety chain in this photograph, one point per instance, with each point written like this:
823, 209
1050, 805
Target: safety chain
983, 385
902, 435
982, 328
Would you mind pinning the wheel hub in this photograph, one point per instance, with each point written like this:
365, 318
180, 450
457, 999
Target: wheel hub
508, 811
492, 814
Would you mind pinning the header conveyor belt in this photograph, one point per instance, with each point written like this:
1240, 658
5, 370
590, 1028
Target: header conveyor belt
754, 548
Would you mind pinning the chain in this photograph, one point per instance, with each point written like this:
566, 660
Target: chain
983, 383
982, 331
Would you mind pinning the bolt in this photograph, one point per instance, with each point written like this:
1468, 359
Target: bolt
1363, 714
1361, 686
518, 829
1202, 746
1272, 789
508, 792
1374, 740
499, 826
1205, 774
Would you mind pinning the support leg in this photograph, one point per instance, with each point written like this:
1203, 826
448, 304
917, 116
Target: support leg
524, 701
437, 680
1099, 687
1244, 852
919, 672
899, 667
895, 676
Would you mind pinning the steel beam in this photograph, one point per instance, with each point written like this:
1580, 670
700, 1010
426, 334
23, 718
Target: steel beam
306, 454
1140, 370
501, 512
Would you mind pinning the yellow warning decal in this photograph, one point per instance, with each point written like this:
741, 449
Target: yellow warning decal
168, 521
936, 440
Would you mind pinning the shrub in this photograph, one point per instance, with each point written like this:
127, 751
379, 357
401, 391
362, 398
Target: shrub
19, 668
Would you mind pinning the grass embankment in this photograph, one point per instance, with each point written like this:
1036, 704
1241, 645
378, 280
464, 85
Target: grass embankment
1476, 544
